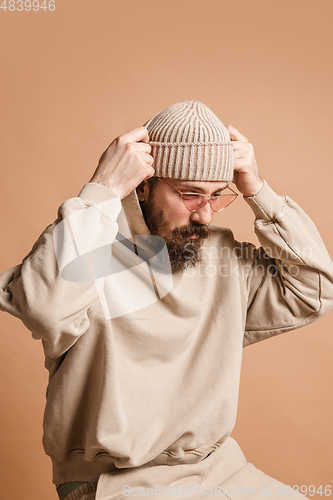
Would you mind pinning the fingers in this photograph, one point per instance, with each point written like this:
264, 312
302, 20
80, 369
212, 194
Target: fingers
235, 135
147, 158
126, 162
145, 137
136, 135
241, 149
150, 174
143, 146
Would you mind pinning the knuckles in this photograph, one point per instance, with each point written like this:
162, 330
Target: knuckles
138, 158
130, 146
249, 150
120, 140
248, 146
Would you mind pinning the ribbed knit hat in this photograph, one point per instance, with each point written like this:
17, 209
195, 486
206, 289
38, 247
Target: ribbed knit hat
190, 143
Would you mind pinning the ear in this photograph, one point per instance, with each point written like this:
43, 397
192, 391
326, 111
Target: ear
142, 191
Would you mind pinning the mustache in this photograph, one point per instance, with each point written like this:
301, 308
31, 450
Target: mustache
183, 232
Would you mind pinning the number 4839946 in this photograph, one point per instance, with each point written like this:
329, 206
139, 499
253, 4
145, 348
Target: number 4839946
27, 5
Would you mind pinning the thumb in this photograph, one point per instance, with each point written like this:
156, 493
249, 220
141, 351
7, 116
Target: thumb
235, 135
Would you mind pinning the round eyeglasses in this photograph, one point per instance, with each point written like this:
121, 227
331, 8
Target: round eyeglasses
194, 201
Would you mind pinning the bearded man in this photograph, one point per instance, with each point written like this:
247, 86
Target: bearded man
144, 358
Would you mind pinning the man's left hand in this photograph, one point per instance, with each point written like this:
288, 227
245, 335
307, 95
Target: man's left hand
246, 175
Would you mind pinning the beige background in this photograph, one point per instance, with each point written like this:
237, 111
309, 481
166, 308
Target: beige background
74, 79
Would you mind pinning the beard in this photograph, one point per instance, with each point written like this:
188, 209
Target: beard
184, 252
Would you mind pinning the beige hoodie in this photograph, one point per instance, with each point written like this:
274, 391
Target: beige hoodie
141, 371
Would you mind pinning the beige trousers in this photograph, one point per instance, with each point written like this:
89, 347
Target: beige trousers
224, 474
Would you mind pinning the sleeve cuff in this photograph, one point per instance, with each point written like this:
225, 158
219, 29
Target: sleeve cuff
92, 193
266, 204
109, 203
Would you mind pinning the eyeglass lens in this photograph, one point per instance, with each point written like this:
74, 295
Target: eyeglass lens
196, 201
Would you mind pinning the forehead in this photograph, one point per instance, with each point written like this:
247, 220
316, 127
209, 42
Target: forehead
201, 186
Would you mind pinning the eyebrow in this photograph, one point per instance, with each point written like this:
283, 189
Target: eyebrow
181, 188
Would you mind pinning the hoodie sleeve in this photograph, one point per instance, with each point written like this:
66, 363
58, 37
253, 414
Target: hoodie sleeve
290, 277
50, 295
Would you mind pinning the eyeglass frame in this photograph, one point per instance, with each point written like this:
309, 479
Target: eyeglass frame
209, 196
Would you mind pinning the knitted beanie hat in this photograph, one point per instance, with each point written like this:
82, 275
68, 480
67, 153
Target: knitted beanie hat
190, 143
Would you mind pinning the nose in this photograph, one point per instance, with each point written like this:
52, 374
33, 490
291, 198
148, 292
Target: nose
203, 215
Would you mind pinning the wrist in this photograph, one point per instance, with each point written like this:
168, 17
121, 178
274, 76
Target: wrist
254, 189
107, 184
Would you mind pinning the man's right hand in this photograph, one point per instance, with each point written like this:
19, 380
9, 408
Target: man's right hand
125, 163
